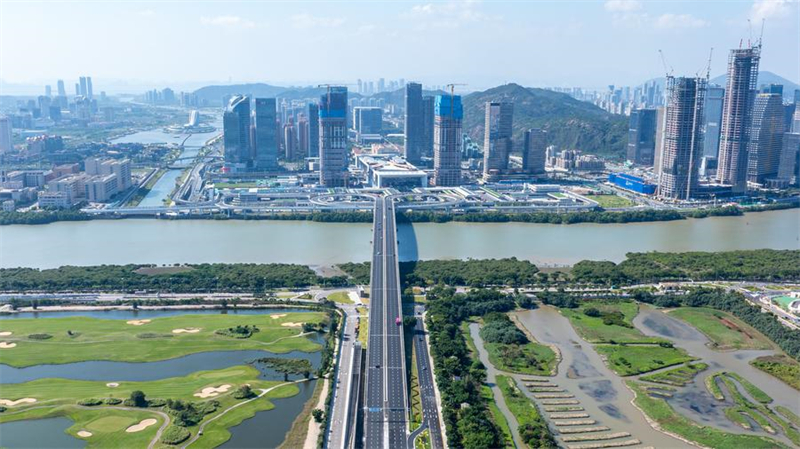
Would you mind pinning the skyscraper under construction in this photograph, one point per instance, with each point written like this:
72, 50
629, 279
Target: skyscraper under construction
447, 140
497, 139
333, 137
737, 111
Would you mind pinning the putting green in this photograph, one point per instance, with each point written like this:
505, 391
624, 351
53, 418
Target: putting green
76, 339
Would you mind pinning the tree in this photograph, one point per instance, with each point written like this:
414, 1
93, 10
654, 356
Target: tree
138, 399
318, 415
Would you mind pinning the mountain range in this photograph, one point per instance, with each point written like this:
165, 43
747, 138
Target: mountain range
764, 78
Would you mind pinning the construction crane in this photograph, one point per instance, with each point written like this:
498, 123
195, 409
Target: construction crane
708, 66
667, 68
452, 87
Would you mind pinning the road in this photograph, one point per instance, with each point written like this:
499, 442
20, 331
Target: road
341, 406
386, 411
427, 388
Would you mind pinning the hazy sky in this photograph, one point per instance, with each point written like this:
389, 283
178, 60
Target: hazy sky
535, 43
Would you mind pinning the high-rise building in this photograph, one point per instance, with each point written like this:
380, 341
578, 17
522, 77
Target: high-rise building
427, 126
683, 137
62, 92
48, 91
659, 140
236, 132
789, 162
83, 91
642, 136
498, 122
333, 137
447, 140
6, 143
766, 136
737, 117
367, 120
715, 96
313, 130
89, 93
302, 135
77, 90
533, 151
414, 126
266, 138
290, 144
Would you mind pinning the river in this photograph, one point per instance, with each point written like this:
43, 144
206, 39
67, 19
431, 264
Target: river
310, 243
192, 145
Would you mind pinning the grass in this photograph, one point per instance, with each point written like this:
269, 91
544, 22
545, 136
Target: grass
594, 330
525, 412
464, 327
115, 340
755, 392
611, 201
782, 367
296, 436
724, 331
677, 376
498, 417
713, 387
531, 358
363, 330
414, 395
57, 397
788, 414
666, 417
627, 360
736, 415
759, 412
340, 297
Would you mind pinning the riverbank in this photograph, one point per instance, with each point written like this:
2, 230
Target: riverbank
597, 216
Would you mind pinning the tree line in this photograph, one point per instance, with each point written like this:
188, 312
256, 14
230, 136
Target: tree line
472, 272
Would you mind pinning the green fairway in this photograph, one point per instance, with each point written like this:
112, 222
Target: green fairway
596, 329
611, 201
668, 419
636, 359
75, 339
340, 297
59, 397
723, 329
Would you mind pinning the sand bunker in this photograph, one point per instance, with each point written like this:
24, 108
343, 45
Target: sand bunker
145, 423
210, 392
138, 322
290, 324
278, 315
84, 434
112, 384
188, 330
7, 345
5, 334
10, 403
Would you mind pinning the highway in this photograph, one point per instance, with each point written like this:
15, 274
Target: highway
386, 401
341, 423
427, 388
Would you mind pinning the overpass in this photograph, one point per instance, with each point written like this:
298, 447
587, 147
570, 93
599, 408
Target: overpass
386, 399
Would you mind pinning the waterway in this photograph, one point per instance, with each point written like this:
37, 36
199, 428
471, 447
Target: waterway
265, 429
192, 145
310, 243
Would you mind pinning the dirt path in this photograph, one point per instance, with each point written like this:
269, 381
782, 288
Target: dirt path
313, 427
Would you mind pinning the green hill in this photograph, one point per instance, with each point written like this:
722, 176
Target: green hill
570, 123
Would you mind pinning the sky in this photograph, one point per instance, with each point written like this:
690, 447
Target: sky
133, 45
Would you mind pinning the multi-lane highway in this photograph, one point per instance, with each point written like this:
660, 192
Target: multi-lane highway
386, 401
427, 389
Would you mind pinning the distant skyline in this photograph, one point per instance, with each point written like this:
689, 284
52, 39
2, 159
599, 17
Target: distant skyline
132, 46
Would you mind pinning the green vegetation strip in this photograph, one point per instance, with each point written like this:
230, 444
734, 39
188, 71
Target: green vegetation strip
677, 376
532, 427
723, 330
751, 389
671, 421
782, 367
498, 417
81, 338
510, 349
340, 297
636, 359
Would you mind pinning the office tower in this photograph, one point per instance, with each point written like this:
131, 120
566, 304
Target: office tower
236, 131
737, 116
683, 137
89, 93
48, 91
44, 103
796, 120
290, 143
381, 85
659, 140
427, 126
447, 140
360, 86
83, 90
77, 90
333, 137
367, 120
642, 136
313, 130
533, 151
715, 96
789, 162
6, 143
302, 135
61, 91
266, 138
766, 134
498, 120
413, 129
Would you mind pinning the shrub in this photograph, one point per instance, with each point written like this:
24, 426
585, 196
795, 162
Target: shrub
244, 392
112, 401
318, 415
175, 434
90, 402
156, 402
592, 312
40, 336
137, 399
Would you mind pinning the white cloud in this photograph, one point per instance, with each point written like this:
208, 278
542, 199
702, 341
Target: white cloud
673, 21
770, 9
622, 5
227, 21
449, 14
305, 21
